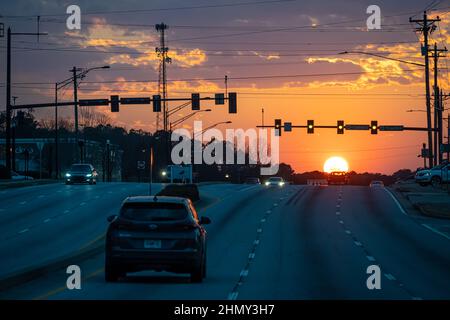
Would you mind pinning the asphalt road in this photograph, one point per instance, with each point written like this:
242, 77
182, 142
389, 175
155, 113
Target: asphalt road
296, 242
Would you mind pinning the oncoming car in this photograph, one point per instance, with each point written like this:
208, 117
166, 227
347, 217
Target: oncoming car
275, 182
81, 173
376, 183
156, 233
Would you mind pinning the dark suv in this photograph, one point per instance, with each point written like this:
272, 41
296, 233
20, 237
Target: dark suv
156, 233
81, 173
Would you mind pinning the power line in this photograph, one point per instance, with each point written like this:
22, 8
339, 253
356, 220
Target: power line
134, 11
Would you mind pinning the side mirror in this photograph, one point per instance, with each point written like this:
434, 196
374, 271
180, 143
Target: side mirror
111, 218
205, 220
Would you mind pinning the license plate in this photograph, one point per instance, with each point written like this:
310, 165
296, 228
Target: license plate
152, 244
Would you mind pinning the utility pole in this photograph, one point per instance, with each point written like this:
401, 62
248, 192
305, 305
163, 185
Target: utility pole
426, 26
75, 106
448, 137
262, 116
14, 131
56, 132
440, 125
8, 95
162, 51
436, 54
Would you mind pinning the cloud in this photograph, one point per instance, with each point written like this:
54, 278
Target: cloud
104, 37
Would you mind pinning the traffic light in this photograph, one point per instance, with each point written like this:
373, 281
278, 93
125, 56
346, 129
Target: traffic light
374, 127
157, 103
195, 97
278, 127
114, 103
310, 126
219, 98
232, 102
340, 127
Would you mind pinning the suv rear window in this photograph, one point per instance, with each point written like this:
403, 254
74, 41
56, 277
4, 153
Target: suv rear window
275, 179
154, 211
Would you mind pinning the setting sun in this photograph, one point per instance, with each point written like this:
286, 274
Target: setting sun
334, 164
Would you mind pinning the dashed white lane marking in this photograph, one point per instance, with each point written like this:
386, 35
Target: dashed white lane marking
41, 196
263, 220
66, 211
338, 213
23, 202
357, 243
23, 231
109, 192
59, 191
233, 296
348, 232
259, 230
244, 273
389, 276
82, 203
370, 258
251, 256
97, 197
396, 201
275, 204
416, 298
338, 206
256, 242
341, 222
47, 220
1, 210
436, 231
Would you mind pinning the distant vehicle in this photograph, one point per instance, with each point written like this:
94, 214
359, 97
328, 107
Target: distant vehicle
275, 181
337, 177
252, 181
156, 233
376, 183
18, 177
433, 176
81, 173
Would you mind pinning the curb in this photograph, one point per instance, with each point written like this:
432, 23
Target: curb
430, 213
21, 184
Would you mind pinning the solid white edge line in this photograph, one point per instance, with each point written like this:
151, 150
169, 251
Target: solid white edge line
396, 201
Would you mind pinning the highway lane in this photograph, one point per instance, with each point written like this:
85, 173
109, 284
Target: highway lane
297, 242
42, 223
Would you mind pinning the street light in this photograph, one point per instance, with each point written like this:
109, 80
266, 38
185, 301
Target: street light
213, 126
181, 120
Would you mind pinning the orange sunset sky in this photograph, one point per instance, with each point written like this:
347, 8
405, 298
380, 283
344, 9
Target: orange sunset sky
282, 56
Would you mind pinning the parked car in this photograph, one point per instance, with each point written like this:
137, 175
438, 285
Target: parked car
156, 233
81, 173
18, 177
433, 176
252, 181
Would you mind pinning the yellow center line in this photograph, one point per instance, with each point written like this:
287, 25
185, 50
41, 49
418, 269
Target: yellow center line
62, 288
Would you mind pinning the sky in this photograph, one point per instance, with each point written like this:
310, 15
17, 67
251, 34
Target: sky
280, 56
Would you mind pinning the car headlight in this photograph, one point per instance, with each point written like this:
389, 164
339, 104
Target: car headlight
68, 175
426, 174
89, 175
281, 184
267, 183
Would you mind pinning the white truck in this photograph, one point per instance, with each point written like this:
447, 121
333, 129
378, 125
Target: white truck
433, 176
